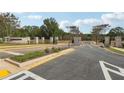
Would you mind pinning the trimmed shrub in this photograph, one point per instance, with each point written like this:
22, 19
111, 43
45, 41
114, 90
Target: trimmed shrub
55, 49
47, 50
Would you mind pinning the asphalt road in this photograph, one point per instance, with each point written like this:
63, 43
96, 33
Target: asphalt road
82, 64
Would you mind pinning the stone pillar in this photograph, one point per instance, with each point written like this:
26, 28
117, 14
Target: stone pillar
1, 39
77, 40
113, 43
37, 40
107, 41
42, 39
56, 39
118, 41
51, 39
7, 39
28, 40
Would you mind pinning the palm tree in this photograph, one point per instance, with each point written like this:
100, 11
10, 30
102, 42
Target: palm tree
50, 28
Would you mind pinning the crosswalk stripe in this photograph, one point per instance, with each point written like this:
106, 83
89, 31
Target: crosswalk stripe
25, 75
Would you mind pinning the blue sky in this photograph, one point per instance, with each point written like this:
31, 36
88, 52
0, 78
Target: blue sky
85, 20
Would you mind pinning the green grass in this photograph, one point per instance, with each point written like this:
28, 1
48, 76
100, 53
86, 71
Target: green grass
115, 50
27, 56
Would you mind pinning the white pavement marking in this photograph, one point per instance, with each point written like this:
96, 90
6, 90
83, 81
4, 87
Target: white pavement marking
106, 69
83, 45
23, 77
13, 53
26, 75
90, 46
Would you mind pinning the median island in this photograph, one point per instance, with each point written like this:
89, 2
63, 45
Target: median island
35, 54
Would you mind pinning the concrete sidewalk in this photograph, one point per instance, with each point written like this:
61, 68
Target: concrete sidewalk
9, 67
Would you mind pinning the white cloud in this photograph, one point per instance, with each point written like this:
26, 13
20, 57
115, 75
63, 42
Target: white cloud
105, 19
78, 22
90, 21
19, 12
64, 23
108, 18
36, 17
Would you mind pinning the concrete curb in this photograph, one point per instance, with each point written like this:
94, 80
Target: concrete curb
110, 51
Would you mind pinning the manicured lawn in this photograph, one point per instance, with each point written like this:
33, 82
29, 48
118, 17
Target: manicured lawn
27, 56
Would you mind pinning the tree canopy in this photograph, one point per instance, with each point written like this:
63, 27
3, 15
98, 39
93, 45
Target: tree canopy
117, 31
8, 23
10, 26
98, 30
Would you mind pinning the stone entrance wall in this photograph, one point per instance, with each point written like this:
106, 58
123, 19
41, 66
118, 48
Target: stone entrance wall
17, 40
116, 43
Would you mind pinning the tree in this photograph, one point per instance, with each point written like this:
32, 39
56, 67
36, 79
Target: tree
8, 24
20, 33
50, 28
99, 30
117, 31
33, 31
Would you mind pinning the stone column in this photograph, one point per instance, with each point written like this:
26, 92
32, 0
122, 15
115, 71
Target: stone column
51, 39
7, 39
118, 41
42, 39
1, 39
107, 41
28, 40
56, 39
76, 40
79, 40
37, 40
